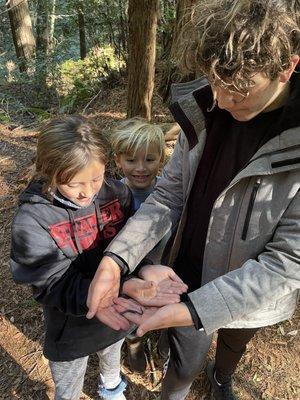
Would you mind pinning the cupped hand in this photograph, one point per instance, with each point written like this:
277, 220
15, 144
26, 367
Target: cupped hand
155, 318
104, 286
149, 293
160, 273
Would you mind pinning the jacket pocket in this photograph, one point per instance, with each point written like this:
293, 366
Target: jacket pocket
250, 208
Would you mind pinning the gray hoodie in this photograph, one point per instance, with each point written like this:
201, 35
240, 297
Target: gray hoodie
251, 264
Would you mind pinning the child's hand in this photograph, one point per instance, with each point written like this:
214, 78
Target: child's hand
159, 273
112, 318
104, 287
148, 293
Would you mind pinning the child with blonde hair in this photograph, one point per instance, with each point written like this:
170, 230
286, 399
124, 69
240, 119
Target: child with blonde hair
139, 151
139, 148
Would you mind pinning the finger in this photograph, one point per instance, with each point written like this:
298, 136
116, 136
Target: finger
169, 290
160, 302
175, 277
171, 286
133, 318
127, 303
113, 319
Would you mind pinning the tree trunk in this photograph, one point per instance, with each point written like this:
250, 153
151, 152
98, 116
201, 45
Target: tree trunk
21, 28
123, 29
45, 26
81, 26
171, 73
44, 38
142, 18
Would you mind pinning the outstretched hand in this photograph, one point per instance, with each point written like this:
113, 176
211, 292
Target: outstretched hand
149, 293
159, 273
151, 318
112, 318
104, 286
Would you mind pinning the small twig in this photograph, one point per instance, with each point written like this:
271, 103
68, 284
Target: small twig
29, 355
89, 103
10, 311
153, 370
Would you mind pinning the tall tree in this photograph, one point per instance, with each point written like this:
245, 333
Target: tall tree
171, 73
142, 18
21, 28
45, 23
81, 26
45, 26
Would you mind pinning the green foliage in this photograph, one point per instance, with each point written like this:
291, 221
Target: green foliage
30, 303
39, 113
4, 117
81, 79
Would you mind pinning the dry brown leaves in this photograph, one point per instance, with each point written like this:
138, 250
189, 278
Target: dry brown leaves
268, 371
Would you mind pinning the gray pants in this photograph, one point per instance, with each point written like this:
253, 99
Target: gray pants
68, 376
188, 350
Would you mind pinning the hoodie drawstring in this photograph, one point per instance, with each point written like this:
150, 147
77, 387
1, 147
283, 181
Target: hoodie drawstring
99, 217
73, 223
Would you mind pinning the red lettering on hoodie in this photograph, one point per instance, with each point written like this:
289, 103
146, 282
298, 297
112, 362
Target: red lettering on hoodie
87, 228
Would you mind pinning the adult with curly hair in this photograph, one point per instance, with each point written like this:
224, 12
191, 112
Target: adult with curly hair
231, 189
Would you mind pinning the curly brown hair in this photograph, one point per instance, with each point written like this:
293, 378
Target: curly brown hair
231, 40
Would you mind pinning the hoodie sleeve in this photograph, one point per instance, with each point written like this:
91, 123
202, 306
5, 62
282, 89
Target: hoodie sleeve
36, 260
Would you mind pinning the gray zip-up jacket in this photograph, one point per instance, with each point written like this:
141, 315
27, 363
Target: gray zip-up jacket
251, 264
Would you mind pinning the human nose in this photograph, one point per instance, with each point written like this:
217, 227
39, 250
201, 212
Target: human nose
224, 98
140, 166
88, 190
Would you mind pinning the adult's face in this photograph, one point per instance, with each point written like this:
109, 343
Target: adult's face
265, 95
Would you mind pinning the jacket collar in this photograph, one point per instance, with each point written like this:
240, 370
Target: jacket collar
190, 110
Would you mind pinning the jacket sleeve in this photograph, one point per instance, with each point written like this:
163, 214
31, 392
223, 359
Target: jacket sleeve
274, 274
155, 217
36, 260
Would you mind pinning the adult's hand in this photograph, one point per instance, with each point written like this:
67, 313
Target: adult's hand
156, 318
149, 293
104, 286
165, 276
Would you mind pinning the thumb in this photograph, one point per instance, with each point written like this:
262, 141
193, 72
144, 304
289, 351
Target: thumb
92, 302
150, 324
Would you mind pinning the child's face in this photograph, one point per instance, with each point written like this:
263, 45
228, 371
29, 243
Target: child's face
141, 168
85, 184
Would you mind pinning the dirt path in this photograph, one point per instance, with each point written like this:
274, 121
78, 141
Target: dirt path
268, 371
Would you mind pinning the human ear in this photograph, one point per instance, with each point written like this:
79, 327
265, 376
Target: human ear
161, 161
284, 76
117, 158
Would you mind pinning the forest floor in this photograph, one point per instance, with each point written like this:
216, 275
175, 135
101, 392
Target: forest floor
269, 369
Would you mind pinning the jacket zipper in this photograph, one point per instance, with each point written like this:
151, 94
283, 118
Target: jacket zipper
250, 208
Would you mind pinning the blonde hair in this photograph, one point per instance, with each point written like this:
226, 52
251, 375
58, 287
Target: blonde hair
230, 40
65, 146
137, 133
